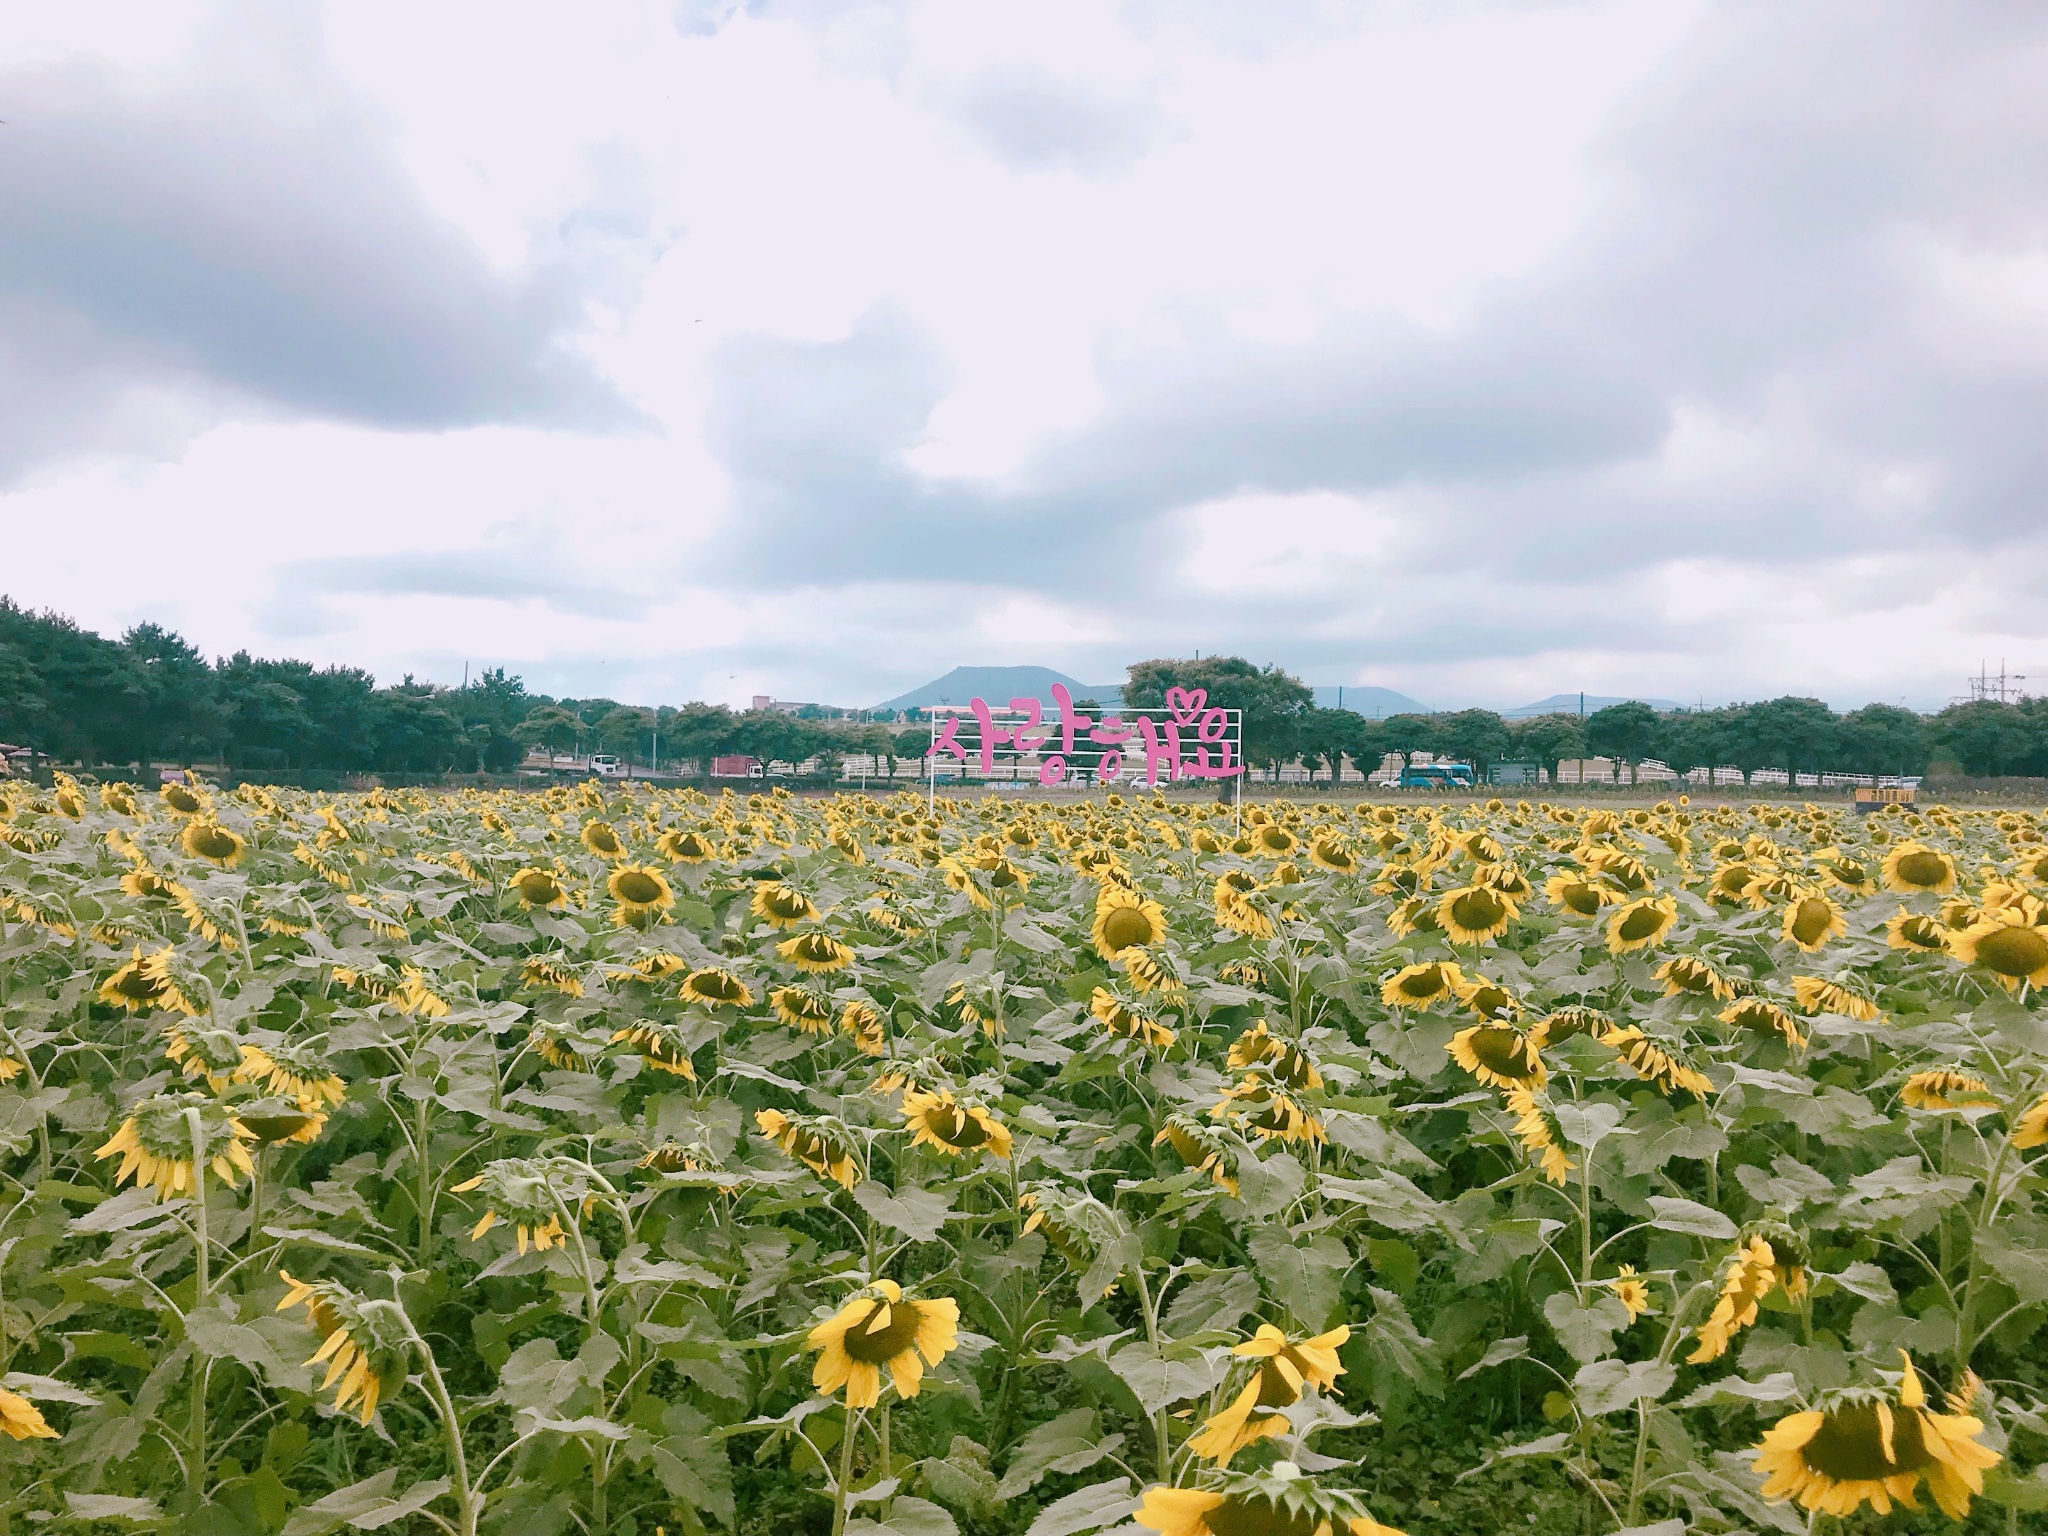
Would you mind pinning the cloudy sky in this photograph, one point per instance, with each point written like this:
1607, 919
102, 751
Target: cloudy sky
1483, 349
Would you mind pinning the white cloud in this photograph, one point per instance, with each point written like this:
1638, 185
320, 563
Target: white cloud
1480, 349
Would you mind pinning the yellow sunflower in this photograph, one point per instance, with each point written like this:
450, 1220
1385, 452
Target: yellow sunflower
1286, 1367
1419, 986
1538, 1131
1640, 923
1475, 914
880, 1329
1125, 920
1690, 975
603, 839
161, 1137
1761, 1016
2031, 1128
2012, 944
680, 847
820, 1145
782, 906
1199, 1146
714, 986
1811, 920
211, 841
816, 952
539, 888
801, 1008
1630, 1290
1816, 994
1278, 1501
956, 1128
1914, 931
146, 981
662, 1047
1755, 1269
1944, 1088
1859, 1446
1286, 1058
1120, 1018
364, 1353
1653, 1063
642, 893
20, 1419
1498, 1055
1913, 866
1330, 851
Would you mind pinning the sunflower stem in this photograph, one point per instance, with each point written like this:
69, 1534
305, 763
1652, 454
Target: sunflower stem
845, 1474
202, 1288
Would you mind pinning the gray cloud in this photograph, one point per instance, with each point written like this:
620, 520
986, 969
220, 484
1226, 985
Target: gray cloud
1031, 120
1753, 262
477, 573
190, 242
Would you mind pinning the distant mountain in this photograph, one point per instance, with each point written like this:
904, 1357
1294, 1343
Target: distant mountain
999, 685
1376, 702
1572, 703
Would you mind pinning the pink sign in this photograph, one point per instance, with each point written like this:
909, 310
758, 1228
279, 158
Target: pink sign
1210, 752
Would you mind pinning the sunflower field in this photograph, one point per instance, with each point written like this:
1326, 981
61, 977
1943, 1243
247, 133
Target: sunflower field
615, 1161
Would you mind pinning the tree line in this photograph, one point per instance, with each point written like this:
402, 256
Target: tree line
152, 697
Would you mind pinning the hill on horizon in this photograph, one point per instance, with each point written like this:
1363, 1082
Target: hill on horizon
1571, 703
1364, 699
999, 685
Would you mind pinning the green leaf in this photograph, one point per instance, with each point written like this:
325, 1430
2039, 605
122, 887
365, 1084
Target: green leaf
1608, 1386
907, 1517
916, 1213
1306, 1278
1159, 1382
1070, 1443
368, 1505
1587, 1125
1774, 1388
1500, 1352
1398, 1351
1690, 1217
1586, 1327
1085, 1509
110, 1506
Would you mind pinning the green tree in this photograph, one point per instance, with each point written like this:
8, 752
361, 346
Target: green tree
1988, 738
1548, 740
173, 708
1275, 705
1882, 738
550, 726
1622, 732
1410, 734
1475, 736
1796, 734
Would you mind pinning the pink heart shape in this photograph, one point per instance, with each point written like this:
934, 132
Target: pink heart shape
1186, 704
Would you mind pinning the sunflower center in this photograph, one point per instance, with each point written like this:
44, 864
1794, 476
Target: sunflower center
2014, 951
1813, 918
639, 889
1582, 899
1923, 931
1242, 1516
716, 986
213, 842
1477, 910
539, 889
1643, 923
1849, 1445
1275, 1390
1424, 984
1923, 870
880, 1346
1502, 1051
955, 1127
1126, 926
